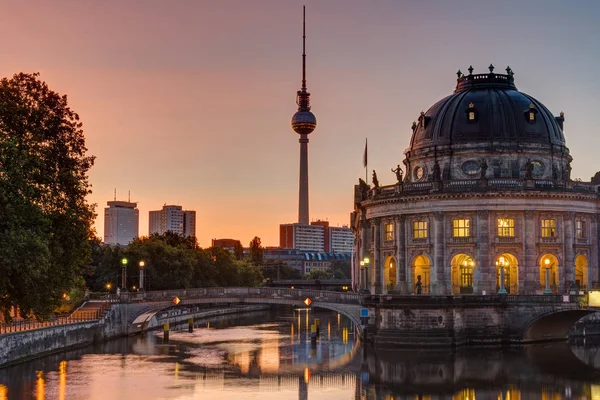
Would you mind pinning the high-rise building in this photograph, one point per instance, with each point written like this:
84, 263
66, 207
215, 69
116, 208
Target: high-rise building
301, 237
318, 236
173, 219
341, 239
121, 222
303, 123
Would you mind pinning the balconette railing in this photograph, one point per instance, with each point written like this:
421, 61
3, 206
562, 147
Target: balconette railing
479, 185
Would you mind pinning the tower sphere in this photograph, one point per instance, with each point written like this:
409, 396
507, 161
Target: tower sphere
304, 122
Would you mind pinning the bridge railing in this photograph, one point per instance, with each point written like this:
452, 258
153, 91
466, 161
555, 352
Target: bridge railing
260, 292
471, 299
30, 324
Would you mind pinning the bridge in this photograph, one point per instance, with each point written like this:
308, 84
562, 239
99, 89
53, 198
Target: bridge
144, 306
394, 320
400, 320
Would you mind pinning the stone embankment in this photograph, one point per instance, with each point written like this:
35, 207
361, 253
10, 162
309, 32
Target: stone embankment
117, 321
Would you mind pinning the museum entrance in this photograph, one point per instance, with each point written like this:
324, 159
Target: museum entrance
507, 274
421, 274
581, 272
549, 276
462, 266
389, 273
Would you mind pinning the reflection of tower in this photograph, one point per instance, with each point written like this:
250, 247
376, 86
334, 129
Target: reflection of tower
303, 123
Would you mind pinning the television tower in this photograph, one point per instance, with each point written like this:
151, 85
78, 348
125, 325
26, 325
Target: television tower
303, 123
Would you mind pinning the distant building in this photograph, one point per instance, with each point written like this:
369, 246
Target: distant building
227, 244
173, 219
318, 236
341, 240
301, 237
304, 260
121, 222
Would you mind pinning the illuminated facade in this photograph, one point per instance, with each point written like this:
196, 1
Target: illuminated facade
486, 203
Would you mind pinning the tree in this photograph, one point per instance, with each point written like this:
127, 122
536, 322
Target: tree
238, 250
45, 221
319, 274
277, 269
256, 251
341, 269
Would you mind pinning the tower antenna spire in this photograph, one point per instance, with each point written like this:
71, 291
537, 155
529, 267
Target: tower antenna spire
304, 48
303, 123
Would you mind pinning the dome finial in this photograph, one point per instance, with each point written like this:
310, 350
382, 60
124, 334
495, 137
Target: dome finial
491, 68
459, 74
470, 70
509, 71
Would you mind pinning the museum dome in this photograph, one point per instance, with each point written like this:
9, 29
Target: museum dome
486, 108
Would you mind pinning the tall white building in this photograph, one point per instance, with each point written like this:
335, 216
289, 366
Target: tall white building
302, 237
341, 239
173, 219
121, 222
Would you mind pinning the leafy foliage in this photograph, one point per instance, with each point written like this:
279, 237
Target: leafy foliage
171, 262
256, 251
319, 274
45, 221
277, 269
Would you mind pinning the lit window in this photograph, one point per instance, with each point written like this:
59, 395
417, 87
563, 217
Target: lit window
471, 116
420, 229
389, 231
506, 227
580, 229
531, 116
461, 228
548, 228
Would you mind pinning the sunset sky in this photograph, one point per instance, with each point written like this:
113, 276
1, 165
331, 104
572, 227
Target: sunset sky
189, 102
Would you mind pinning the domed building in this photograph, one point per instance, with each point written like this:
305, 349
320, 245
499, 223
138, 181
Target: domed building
485, 202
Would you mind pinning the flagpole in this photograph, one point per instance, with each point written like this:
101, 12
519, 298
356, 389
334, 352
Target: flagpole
365, 162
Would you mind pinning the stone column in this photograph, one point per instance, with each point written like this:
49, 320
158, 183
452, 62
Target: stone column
366, 245
402, 271
593, 278
377, 265
439, 280
484, 275
567, 272
529, 272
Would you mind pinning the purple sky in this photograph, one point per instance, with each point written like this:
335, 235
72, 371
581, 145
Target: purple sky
188, 102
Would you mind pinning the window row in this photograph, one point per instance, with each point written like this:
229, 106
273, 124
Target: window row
505, 228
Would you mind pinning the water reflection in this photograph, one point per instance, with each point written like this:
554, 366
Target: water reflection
270, 355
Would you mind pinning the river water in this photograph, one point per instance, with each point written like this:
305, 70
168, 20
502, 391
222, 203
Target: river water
269, 355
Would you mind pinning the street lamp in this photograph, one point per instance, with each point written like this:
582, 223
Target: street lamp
365, 262
124, 274
142, 264
108, 286
547, 290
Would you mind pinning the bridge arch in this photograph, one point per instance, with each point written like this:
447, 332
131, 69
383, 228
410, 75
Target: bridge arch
552, 325
148, 304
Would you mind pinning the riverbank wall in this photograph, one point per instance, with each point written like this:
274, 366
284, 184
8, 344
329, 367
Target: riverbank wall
20, 346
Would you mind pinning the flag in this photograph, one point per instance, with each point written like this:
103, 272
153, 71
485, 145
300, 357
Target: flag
365, 155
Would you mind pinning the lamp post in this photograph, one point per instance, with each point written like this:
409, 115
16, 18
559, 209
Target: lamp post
500, 264
547, 290
124, 274
142, 264
366, 262
108, 286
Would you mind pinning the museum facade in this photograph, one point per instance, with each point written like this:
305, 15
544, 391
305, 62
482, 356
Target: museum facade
485, 202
